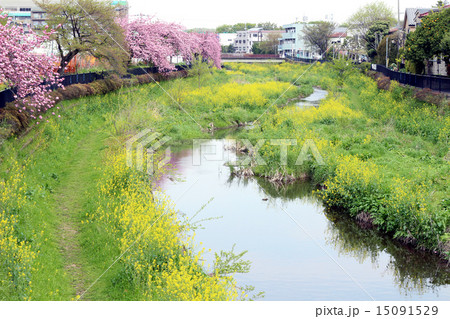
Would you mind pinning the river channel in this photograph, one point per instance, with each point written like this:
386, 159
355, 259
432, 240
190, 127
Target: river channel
298, 250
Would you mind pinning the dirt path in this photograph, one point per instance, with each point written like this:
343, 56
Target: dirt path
70, 196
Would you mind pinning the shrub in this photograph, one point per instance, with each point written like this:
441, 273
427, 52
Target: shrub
14, 120
57, 95
365, 67
429, 96
384, 83
72, 92
98, 87
144, 78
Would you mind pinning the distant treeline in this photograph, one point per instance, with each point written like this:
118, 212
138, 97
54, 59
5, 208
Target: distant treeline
228, 28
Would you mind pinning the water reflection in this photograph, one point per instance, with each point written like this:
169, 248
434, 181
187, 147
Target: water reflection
286, 263
287, 193
412, 270
314, 99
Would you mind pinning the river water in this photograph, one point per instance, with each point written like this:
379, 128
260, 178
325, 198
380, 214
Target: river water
298, 250
313, 99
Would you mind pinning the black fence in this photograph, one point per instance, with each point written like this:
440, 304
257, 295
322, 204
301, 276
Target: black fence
248, 56
82, 78
7, 96
435, 83
304, 60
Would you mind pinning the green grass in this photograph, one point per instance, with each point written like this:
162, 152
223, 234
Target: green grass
62, 160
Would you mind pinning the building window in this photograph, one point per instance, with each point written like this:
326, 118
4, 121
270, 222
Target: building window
25, 9
243, 41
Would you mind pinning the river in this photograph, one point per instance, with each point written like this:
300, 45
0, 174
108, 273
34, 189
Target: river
313, 99
298, 250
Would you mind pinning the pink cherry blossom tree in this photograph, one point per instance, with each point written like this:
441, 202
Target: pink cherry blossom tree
208, 46
30, 74
157, 41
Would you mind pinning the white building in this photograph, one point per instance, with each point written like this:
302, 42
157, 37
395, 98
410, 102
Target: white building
244, 40
293, 44
26, 12
339, 35
227, 38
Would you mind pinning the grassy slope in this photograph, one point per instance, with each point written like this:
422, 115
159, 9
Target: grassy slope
61, 158
398, 141
79, 180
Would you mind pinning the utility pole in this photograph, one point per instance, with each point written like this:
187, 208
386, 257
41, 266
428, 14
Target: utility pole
398, 11
387, 51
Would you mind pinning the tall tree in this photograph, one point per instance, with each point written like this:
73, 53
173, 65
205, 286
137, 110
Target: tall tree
393, 49
269, 26
155, 41
228, 48
226, 28
241, 26
86, 26
367, 16
427, 41
445, 49
374, 36
318, 34
208, 46
440, 4
28, 73
270, 45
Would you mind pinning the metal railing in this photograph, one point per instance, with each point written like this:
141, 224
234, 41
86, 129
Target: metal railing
435, 83
305, 60
248, 56
7, 95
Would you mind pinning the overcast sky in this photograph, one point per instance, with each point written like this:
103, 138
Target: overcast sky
210, 14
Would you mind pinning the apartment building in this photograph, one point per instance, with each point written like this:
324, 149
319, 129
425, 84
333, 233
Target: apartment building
244, 40
27, 13
24, 12
293, 44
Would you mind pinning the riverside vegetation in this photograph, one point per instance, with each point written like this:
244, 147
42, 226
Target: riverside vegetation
70, 206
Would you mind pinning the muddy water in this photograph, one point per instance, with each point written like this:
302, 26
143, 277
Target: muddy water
298, 250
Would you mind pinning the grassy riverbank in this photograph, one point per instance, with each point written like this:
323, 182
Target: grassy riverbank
385, 154
70, 206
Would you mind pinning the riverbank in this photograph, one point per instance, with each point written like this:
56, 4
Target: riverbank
383, 151
288, 233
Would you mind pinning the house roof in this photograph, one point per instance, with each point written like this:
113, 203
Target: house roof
339, 32
411, 14
394, 29
338, 35
424, 14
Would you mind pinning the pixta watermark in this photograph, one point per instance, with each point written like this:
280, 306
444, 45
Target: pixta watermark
243, 152
141, 150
